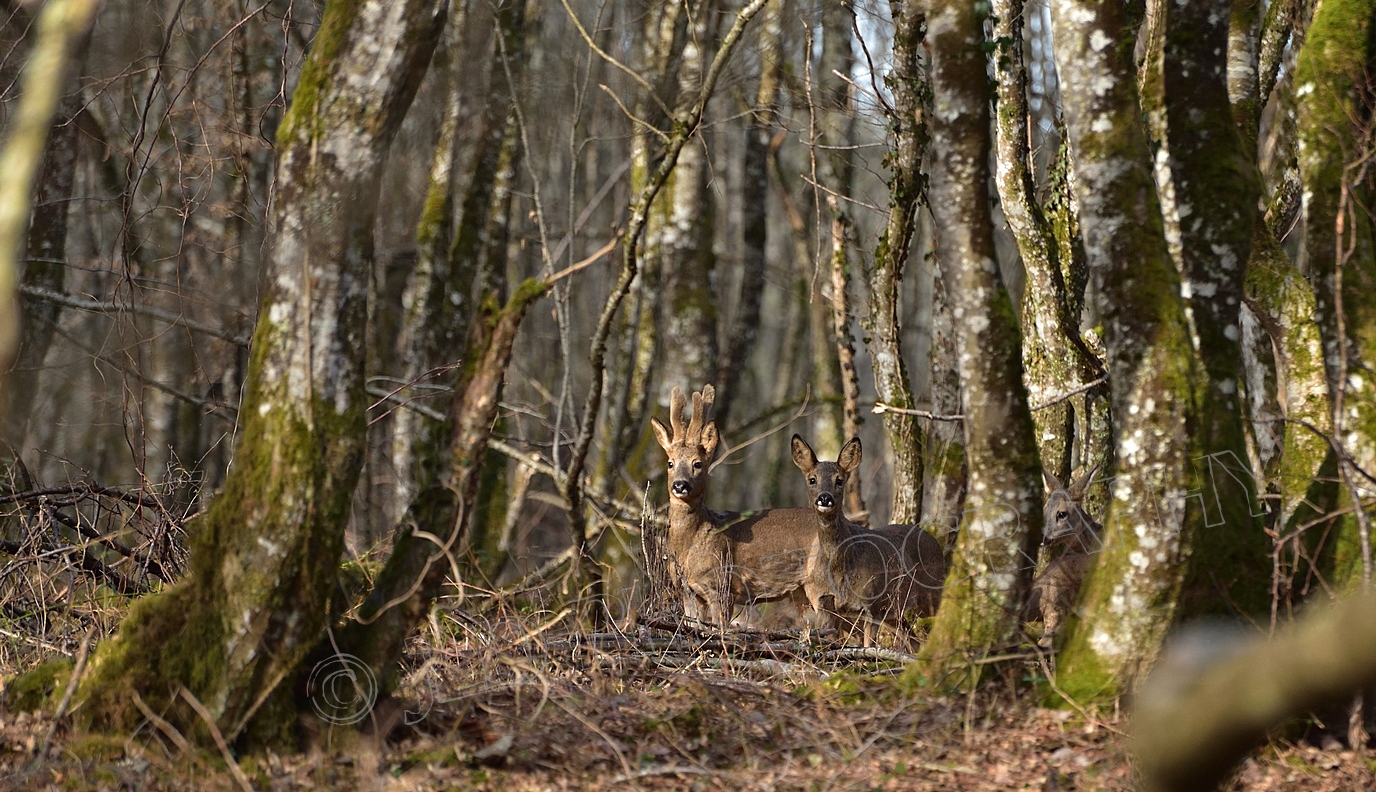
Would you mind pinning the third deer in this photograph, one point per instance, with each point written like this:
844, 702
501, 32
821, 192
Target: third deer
1067, 525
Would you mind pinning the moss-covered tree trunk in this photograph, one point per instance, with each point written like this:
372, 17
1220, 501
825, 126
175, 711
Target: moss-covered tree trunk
908, 143
688, 346
633, 367
1214, 186
987, 580
1129, 598
264, 558
1055, 359
835, 172
433, 320
434, 525
1334, 90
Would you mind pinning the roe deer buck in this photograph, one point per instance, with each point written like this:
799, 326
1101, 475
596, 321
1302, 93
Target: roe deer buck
882, 573
726, 557
1054, 590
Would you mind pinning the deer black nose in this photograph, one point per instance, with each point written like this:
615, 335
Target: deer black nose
825, 500
681, 488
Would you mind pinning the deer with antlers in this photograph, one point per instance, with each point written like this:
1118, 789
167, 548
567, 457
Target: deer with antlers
1067, 525
880, 574
726, 558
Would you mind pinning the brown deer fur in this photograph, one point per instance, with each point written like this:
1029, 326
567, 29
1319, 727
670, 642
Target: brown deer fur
879, 574
726, 558
1068, 526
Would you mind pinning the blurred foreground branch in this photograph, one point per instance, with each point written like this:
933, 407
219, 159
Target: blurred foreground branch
1192, 725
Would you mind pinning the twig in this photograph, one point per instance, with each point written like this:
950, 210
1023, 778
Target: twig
1058, 399
762, 435
107, 308
219, 739
593, 259
881, 407
66, 697
162, 725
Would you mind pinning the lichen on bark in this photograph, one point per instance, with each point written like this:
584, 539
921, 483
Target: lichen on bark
264, 558
1129, 599
1334, 98
989, 571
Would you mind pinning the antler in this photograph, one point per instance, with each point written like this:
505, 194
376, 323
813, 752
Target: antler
702, 410
677, 402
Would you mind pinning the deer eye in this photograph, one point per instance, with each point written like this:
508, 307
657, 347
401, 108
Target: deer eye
1060, 515
840, 481
697, 465
811, 480
671, 464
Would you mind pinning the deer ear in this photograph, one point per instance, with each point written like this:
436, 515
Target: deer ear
709, 439
661, 433
850, 455
1078, 488
1052, 482
803, 456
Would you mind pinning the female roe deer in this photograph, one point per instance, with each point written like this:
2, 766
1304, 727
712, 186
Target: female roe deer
1054, 590
883, 573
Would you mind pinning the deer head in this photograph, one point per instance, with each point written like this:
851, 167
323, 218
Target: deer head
690, 448
1065, 519
826, 481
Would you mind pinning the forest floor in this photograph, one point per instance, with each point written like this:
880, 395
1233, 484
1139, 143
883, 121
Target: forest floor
617, 711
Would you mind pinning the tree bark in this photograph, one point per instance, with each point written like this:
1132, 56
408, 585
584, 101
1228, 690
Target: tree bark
908, 144
1336, 150
265, 556
740, 341
1129, 598
990, 570
1055, 358
1214, 186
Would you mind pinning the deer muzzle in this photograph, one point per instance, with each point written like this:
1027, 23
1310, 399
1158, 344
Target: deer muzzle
681, 488
825, 503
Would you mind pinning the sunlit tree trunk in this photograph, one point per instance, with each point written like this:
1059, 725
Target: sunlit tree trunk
987, 580
1130, 596
1055, 359
1334, 90
265, 556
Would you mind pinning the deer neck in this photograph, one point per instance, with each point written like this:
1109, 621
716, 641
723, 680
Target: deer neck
686, 522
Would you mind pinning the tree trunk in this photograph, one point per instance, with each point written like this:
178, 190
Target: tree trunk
945, 475
1214, 186
740, 341
265, 556
1129, 598
1055, 358
437, 303
908, 143
433, 529
1335, 164
44, 268
987, 580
